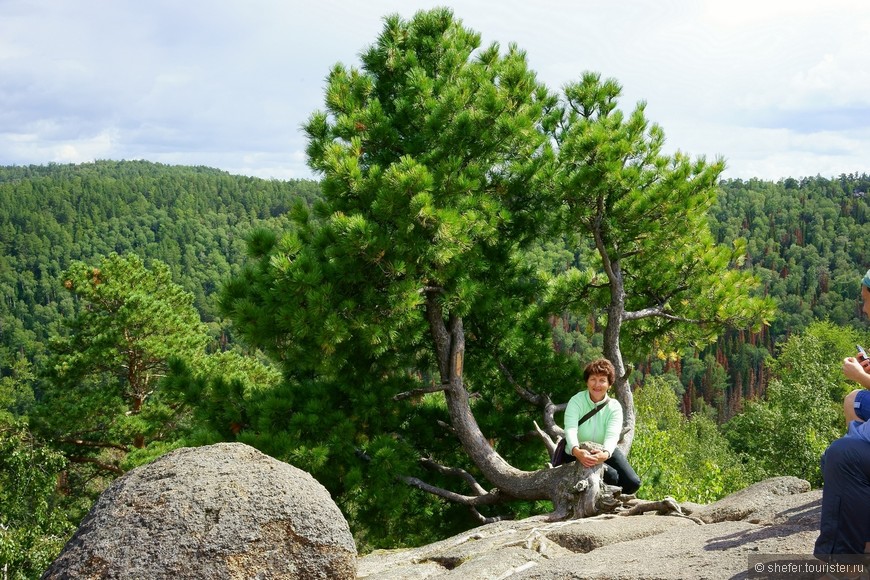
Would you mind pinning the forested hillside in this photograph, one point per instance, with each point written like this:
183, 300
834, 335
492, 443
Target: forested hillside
807, 240
192, 218
107, 271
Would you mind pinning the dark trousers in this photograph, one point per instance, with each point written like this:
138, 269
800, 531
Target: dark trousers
845, 519
617, 471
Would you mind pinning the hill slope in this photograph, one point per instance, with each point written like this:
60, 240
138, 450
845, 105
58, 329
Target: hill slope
193, 218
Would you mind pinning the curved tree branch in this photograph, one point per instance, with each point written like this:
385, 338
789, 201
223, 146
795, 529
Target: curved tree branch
540, 400
545, 437
486, 520
98, 463
456, 472
420, 391
490, 498
83, 443
658, 311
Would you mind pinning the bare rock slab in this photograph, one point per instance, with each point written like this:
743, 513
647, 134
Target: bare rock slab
222, 511
583, 536
774, 517
505, 549
709, 551
755, 503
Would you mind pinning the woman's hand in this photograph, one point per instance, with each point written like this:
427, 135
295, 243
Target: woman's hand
589, 458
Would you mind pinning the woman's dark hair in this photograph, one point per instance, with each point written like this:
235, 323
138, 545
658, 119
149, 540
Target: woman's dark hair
601, 366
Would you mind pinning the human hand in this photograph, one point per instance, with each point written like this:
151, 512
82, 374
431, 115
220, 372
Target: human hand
588, 458
584, 457
856, 370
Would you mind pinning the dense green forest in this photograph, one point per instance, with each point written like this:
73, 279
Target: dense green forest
165, 238
193, 218
62, 223
805, 241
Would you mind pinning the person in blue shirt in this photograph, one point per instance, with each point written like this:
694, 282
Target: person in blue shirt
605, 427
845, 520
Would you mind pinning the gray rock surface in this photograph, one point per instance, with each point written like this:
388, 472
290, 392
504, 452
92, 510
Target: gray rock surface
756, 503
581, 536
222, 511
776, 517
718, 550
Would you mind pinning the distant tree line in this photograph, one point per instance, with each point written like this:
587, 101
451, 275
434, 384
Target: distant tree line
803, 238
91, 317
192, 218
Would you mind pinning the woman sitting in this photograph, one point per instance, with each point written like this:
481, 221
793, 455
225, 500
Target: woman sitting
603, 427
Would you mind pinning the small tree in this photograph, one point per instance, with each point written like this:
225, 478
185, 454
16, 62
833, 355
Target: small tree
32, 529
685, 458
102, 398
653, 269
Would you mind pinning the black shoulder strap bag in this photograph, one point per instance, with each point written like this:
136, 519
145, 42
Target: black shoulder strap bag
560, 456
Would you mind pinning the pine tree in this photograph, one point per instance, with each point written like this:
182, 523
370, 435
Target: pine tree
102, 397
404, 312
401, 303
654, 270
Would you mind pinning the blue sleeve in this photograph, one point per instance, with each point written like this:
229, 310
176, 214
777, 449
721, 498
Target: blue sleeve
859, 429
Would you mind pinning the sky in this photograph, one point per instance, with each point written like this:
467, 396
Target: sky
776, 88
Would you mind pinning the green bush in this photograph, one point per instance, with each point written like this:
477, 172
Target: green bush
685, 458
32, 529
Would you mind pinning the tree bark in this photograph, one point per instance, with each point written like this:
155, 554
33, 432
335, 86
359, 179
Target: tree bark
575, 491
615, 317
101, 464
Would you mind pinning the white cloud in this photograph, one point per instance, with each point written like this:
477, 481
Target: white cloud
64, 150
775, 87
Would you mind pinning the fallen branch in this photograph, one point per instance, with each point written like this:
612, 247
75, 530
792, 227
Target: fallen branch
666, 506
484, 519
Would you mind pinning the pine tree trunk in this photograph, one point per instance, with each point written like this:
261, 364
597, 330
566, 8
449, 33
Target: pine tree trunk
612, 352
575, 491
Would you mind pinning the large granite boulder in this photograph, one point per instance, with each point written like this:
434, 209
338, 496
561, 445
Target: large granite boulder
222, 511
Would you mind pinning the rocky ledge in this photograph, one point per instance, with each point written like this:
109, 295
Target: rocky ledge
777, 517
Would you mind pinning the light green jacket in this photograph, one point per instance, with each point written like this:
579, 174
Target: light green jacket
604, 427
